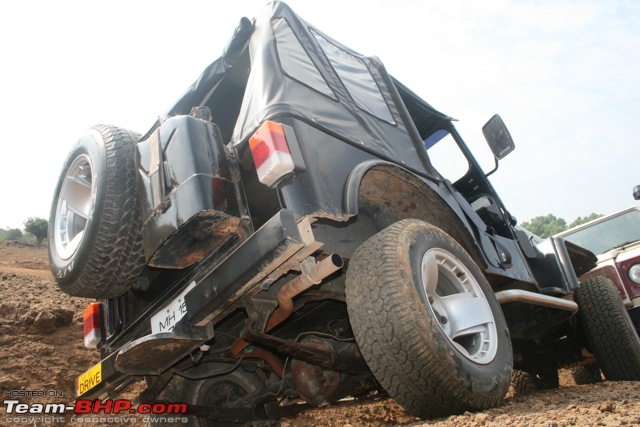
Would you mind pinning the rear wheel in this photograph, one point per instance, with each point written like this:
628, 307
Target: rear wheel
611, 335
589, 374
426, 321
526, 382
95, 237
223, 394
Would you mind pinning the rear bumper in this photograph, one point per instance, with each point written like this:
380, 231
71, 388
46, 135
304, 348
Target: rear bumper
278, 246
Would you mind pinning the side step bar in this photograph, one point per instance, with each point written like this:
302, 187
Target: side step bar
517, 295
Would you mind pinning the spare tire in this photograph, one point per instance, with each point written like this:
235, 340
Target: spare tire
95, 237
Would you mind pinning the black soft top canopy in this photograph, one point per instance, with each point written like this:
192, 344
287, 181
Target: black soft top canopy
286, 67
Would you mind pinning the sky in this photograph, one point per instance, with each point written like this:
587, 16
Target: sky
564, 76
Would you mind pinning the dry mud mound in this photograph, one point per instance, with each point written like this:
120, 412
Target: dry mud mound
41, 349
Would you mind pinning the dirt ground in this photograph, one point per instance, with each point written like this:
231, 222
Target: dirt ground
41, 350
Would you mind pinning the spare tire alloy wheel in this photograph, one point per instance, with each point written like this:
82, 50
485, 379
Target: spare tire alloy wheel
95, 237
75, 202
426, 321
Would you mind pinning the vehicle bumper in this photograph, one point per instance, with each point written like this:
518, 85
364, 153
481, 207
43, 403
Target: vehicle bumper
277, 247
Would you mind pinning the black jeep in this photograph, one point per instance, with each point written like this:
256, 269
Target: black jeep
281, 239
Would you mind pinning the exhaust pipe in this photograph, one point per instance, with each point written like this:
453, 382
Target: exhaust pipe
517, 295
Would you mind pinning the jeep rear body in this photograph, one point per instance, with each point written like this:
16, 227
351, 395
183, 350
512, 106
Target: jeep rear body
220, 244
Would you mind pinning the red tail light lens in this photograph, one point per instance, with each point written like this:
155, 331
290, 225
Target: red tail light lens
92, 330
271, 153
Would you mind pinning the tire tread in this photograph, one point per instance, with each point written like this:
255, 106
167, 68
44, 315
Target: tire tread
116, 257
384, 313
610, 334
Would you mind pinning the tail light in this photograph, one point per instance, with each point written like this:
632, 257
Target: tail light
271, 153
92, 330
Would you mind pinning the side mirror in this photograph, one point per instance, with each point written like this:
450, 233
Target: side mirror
636, 192
498, 137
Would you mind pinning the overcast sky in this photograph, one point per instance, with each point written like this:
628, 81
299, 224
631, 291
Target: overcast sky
565, 77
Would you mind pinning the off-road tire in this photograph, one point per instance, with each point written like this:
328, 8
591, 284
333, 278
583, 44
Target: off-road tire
610, 334
207, 391
526, 382
583, 375
397, 331
109, 256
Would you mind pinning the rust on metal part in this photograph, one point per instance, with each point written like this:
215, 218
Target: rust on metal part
316, 385
310, 275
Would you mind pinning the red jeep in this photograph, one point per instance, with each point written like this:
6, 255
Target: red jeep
615, 239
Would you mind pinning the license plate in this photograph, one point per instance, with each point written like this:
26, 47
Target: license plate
167, 317
89, 380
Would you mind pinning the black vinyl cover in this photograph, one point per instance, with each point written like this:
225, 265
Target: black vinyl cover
297, 71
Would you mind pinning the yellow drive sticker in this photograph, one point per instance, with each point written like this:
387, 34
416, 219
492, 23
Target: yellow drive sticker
89, 380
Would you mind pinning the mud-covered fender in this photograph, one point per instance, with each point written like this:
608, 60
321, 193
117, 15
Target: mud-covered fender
437, 204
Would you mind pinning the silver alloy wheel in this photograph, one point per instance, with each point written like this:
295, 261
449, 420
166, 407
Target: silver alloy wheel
459, 305
75, 203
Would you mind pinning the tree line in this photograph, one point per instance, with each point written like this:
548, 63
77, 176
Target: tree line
35, 231
548, 225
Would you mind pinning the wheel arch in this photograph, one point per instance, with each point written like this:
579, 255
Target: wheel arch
388, 193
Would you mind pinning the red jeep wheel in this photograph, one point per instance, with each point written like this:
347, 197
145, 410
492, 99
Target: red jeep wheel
610, 334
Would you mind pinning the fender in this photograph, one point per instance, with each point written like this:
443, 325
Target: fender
445, 212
